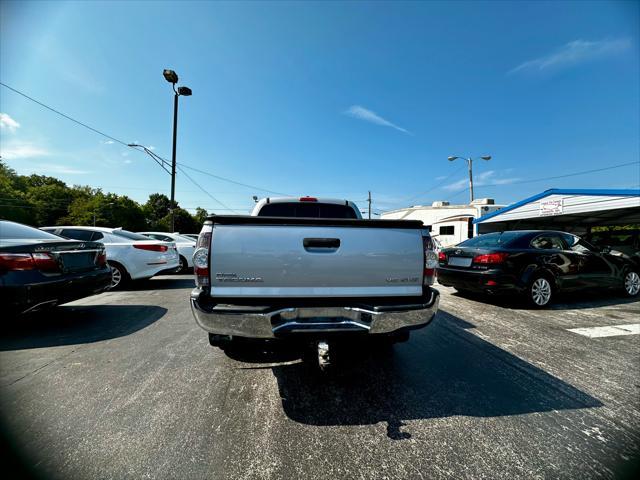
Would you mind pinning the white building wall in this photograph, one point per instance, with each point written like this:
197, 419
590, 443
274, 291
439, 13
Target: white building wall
435, 217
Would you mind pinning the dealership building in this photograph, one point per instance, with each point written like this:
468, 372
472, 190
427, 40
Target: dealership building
570, 210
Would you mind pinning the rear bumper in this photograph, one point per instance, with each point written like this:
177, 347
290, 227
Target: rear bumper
273, 322
31, 294
489, 281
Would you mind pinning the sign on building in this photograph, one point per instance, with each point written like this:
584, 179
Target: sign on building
551, 207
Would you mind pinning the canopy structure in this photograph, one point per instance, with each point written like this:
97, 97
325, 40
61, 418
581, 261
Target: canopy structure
575, 211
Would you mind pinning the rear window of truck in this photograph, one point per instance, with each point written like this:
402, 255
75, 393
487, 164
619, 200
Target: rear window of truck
307, 210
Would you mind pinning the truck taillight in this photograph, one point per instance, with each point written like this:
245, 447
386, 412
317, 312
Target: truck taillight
430, 261
29, 261
201, 257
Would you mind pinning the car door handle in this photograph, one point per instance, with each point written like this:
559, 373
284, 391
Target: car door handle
321, 243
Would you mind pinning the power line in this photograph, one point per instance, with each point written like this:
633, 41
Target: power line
126, 144
205, 191
584, 172
231, 181
63, 115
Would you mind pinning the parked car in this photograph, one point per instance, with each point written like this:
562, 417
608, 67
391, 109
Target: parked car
131, 256
314, 269
535, 263
621, 242
185, 245
39, 269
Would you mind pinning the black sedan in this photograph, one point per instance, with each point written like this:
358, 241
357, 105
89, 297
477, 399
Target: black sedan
39, 269
535, 263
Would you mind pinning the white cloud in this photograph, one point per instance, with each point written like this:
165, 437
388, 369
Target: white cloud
17, 150
151, 147
361, 113
484, 178
574, 53
8, 123
107, 142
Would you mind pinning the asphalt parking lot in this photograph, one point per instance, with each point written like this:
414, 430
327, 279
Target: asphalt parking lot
125, 385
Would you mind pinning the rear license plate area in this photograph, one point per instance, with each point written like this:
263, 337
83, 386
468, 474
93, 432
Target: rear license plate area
78, 261
460, 261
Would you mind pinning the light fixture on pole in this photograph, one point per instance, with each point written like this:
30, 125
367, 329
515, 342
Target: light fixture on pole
470, 164
172, 77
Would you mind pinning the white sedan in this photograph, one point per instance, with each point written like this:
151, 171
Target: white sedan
186, 246
131, 256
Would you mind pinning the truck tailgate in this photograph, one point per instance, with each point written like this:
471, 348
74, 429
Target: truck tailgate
256, 257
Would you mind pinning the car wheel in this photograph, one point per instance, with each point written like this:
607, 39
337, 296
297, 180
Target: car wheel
184, 266
540, 292
119, 275
632, 283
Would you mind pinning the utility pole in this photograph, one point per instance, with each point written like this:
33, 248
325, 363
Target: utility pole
369, 204
470, 165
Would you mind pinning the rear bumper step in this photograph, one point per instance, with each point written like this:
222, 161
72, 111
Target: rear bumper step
272, 322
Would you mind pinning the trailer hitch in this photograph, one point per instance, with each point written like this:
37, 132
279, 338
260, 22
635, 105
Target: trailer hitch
324, 357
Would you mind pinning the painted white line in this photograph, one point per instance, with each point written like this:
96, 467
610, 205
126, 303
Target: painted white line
611, 331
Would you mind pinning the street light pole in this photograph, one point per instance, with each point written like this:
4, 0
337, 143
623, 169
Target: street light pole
173, 160
172, 77
470, 165
369, 204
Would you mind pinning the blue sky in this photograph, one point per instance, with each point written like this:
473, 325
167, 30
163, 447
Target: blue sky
327, 99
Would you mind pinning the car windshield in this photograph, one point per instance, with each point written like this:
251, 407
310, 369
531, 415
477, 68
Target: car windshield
130, 235
498, 239
18, 231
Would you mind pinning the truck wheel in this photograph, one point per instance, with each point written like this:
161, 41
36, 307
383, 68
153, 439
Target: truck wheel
632, 283
539, 291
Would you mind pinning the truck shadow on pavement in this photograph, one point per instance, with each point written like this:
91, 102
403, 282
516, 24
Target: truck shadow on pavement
443, 371
70, 325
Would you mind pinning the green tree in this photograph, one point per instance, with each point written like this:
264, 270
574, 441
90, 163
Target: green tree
14, 204
184, 222
200, 216
157, 207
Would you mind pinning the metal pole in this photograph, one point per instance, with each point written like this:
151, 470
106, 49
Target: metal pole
173, 161
470, 162
369, 204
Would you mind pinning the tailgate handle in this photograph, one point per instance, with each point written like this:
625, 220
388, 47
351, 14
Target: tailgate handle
321, 243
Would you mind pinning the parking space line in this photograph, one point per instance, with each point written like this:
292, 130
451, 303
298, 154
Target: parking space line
610, 331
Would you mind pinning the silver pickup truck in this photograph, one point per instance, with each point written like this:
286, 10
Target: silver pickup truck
312, 268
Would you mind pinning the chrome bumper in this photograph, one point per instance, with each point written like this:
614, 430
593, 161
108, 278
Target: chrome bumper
269, 322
